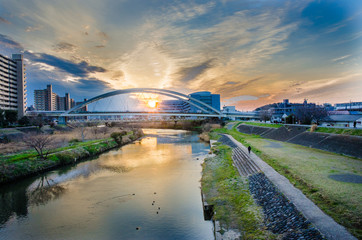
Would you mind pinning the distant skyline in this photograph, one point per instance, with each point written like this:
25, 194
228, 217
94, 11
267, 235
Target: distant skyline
251, 52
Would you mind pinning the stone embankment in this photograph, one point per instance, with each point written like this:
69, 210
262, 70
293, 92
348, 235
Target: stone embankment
342, 144
280, 215
287, 210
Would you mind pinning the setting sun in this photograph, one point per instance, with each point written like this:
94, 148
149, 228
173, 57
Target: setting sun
152, 103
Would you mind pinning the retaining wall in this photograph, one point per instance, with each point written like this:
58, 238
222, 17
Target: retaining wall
337, 143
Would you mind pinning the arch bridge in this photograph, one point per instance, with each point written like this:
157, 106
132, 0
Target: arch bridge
203, 109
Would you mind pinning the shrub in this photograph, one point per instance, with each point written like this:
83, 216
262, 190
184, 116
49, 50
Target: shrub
313, 128
73, 141
65, 158
117, 136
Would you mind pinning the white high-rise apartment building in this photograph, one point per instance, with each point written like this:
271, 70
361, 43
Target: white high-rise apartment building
13, 84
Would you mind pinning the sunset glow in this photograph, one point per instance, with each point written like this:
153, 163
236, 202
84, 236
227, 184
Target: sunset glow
250, 52
152, 103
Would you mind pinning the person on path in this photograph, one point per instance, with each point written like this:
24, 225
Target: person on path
249, 149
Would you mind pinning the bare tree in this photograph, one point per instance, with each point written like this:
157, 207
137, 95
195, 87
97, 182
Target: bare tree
95, 131
45, 192
83, 131
265, 115
40, 142
308, 114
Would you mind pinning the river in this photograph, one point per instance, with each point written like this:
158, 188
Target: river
146, 190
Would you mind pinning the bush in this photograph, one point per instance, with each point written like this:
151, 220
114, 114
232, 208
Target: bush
117, 136
73, 141
24, 121
65, 158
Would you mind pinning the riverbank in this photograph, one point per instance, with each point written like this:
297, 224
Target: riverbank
149, 189
228, 192
312, 171
18, 166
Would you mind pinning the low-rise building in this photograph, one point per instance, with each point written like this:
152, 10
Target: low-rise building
206, 97
350, 106
343, 120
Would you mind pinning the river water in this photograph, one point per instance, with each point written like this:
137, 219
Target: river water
146, 190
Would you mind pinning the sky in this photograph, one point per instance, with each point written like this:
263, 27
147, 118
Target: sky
251, 52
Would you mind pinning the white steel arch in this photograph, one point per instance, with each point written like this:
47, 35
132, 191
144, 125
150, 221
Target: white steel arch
204, 107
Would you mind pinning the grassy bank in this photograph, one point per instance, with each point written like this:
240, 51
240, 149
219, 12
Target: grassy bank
352, 132
309, 169
28, 163
260, 124
228, 192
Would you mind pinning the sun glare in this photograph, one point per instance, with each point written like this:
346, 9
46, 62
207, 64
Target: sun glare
152, 103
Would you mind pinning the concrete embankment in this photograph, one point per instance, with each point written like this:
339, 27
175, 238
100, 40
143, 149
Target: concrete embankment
342, 144
286, 209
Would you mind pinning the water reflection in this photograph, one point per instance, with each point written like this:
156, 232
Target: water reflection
152, 184
44, 192
13, 203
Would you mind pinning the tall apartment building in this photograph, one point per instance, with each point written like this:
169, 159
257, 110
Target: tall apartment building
45, 100
65, 103
13, 84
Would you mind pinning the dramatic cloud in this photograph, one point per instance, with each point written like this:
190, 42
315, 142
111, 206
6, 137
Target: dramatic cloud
239, 98
3, 20
81, 69
251, 52
9, 43
191, 73
64, 47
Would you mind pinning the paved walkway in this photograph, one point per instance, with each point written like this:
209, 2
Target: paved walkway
325, 224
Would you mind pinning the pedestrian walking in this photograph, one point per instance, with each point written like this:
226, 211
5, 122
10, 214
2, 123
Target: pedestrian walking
249, 149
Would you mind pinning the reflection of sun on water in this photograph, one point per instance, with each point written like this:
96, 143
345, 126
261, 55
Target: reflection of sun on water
150, 153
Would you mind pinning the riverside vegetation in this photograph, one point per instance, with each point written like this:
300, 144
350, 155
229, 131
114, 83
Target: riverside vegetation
64, 149
228, 192
309, 169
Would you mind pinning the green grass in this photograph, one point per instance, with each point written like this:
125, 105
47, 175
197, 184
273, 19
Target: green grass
308, 169
28, 163
228, 192
32, 153
9, 131
260, 124
353, 132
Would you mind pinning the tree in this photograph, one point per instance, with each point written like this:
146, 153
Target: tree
38, 121
265, 115
8, 117
41, 143
290, 119
24, 121
308, 114
11, 116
